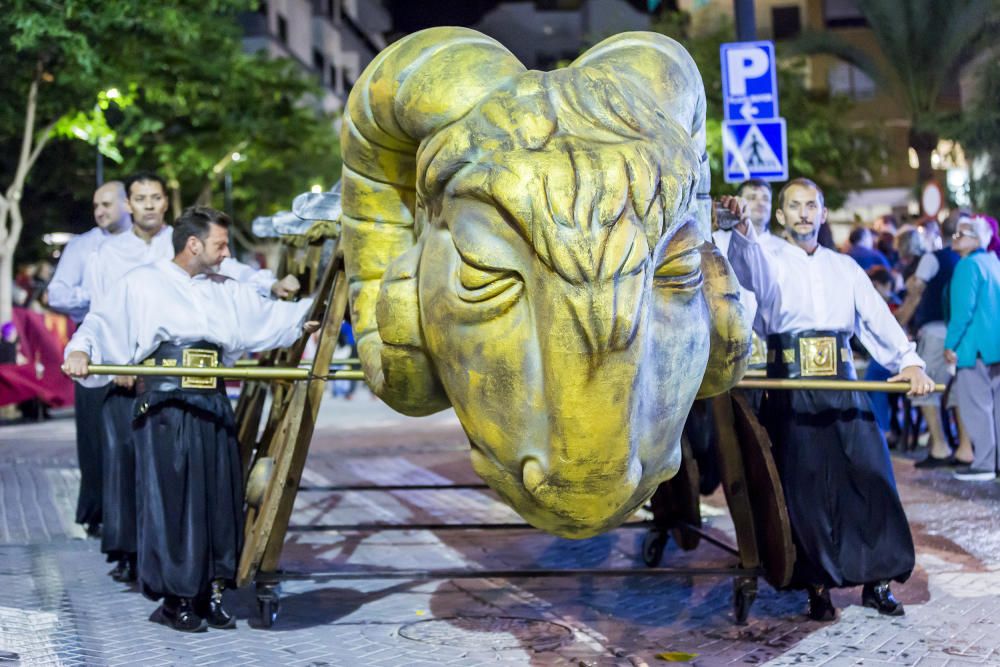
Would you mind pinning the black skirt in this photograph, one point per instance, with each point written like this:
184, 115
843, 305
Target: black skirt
87, 413
847, 520
118, 504
190, 492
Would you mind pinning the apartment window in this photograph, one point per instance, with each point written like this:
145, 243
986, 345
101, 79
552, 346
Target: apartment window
333, 75
282, 29
842, 14
786, 22
845, 79
319, 62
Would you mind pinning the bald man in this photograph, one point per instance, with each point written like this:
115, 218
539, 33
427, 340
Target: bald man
68, 295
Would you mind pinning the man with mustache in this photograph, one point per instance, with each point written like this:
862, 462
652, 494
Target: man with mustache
847, 520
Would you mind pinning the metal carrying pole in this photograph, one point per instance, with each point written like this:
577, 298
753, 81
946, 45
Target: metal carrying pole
350, 361
298, 373
225, 373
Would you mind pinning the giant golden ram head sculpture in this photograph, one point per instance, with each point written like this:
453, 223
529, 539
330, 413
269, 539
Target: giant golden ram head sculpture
525, 246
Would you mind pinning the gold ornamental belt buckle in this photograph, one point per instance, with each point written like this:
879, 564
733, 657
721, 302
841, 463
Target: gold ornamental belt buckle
818, 356
199, 359
758, 350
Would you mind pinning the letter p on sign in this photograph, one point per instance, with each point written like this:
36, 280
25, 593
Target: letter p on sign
744, 64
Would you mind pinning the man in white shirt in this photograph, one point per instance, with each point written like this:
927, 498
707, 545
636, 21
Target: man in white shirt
148, 241
66, 295
188, 473
757, 194
847, 520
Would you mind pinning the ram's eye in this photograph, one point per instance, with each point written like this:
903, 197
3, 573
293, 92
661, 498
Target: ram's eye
479, 285
680, 270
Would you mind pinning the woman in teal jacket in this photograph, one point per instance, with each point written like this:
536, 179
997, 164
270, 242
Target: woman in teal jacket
973, 344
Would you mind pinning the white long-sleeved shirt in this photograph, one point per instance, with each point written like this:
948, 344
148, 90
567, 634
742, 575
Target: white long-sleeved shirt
825, 291
767, 240
66, 290
160, 302
122, 253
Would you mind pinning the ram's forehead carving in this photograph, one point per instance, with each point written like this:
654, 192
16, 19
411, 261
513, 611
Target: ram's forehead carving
571, 158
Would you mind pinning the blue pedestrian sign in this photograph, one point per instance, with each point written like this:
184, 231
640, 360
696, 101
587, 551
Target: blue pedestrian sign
754, 149
749, 82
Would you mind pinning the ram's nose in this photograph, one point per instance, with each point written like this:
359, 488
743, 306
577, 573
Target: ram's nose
590, 495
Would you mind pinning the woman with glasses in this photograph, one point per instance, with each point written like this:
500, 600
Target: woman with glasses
972, 344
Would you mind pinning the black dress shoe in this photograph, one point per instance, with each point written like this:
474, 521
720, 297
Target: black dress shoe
124, 572
209, 606
820, 605
878, 596
179, 614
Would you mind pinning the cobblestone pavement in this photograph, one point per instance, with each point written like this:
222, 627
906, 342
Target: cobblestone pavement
57, 606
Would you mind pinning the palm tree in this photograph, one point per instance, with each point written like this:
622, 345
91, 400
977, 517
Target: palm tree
923, 43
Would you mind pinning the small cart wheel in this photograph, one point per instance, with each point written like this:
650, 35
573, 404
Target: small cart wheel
268, 604
744, 594
653, 544
268, 610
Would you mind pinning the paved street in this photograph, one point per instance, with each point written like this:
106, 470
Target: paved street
58, 607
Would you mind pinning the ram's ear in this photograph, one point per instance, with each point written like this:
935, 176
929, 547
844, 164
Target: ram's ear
413, 88
410, 383
729, 326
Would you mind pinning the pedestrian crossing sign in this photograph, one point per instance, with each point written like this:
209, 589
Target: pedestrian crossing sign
755, 149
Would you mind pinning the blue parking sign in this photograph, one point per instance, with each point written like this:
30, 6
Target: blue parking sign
754, 149
749, 81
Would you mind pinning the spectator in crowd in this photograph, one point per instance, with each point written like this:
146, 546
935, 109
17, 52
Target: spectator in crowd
973, 345
994, 245
910, 248
884, 283
923, 311
931, 230
862, 249
886, 244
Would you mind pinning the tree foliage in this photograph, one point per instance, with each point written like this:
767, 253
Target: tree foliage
923, 44
183, 96
822, 144
977, 128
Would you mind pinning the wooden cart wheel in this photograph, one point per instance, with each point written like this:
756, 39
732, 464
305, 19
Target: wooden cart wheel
265, 527
268, 604
744, 594
653, 544
676, 503
770, 514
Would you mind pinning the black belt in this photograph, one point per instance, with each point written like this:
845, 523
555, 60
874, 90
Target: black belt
810, 354
200, 354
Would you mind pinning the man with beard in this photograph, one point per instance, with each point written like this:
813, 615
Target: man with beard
67, 295
189, 476
148, 241
846, 517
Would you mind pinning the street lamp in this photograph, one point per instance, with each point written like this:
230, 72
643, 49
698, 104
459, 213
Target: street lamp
228, 181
